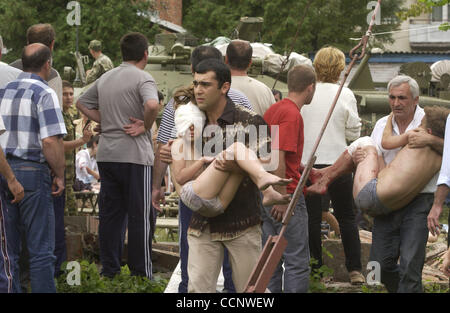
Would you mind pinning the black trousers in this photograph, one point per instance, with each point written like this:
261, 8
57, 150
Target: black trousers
125, 195
340, 194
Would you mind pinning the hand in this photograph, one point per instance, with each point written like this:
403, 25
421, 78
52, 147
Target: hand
98, 128
315, 175
136, 127
359, 155
87, 135
207, 160
433, 219
157, 196
166, 152
446, 264
88, 71
58, 186
278, 211
418, 138
16, 189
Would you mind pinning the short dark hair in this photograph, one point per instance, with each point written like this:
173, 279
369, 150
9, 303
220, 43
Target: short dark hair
41, 33
300, 77
133, 46
239, 54
66, 84
93, 139
202, 53
160, 96
33, 62
223, 74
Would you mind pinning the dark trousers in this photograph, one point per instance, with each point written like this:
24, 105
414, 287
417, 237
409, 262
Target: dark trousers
125, 193
184, 218
6, 279
402, 235
59, 204
341, 196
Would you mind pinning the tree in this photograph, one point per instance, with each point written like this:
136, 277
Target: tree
107, 21
331, 22
424, 6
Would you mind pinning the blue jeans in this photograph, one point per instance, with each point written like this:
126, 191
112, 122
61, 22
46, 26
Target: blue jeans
34, 218
402, 235
296, 256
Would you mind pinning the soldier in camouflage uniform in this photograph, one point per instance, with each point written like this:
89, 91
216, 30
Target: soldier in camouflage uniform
70, 113
102, 63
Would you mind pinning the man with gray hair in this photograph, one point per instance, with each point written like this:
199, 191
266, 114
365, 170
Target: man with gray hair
403, 234
404, 188
7, 73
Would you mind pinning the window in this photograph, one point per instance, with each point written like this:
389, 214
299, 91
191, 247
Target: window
440, 14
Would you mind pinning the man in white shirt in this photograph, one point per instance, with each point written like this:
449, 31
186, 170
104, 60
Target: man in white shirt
7, 73
401, 233
443, 188
239, 59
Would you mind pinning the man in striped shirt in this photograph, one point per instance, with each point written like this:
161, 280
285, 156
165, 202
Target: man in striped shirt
166, 134
33, 146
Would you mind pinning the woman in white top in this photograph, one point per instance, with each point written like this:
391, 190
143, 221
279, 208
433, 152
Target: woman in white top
344, 126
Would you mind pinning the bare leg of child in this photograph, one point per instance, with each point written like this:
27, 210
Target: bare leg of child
212, 182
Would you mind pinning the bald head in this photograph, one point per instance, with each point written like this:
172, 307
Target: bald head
239, 55
35, 58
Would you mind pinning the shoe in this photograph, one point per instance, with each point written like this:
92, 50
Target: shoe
356, 278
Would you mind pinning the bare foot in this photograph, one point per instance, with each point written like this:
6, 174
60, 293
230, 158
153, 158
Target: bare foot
272, 197
264, 180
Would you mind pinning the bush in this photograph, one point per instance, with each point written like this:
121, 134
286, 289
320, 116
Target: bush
92, 282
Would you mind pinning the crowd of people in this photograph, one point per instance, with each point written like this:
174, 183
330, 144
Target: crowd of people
236, 151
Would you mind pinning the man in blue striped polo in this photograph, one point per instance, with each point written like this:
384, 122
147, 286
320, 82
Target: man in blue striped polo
33, 146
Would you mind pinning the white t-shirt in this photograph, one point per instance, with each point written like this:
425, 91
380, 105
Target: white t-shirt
7, 74
389, 155
259, 95
82, 160
343, 125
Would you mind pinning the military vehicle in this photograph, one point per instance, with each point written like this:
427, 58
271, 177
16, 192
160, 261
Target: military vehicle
373, 98
169, 64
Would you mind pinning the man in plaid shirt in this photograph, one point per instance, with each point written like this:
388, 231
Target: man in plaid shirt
33, 146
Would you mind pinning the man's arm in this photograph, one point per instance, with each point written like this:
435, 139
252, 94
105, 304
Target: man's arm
433, 217
159, 170
53, 150
151, 109
279, 210
73, 144
91, 114
93, 73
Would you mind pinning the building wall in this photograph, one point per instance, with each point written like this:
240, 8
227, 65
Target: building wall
170, 10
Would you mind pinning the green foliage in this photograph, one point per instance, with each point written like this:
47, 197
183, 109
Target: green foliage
424, 6
107, 21
328, 22
317, 275
435, 288
92, 282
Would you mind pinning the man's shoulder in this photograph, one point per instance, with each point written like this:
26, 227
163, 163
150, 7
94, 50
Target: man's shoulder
248, 116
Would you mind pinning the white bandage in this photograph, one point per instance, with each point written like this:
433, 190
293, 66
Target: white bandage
187, 115
362, 142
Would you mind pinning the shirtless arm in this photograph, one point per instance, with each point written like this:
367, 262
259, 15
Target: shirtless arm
391, 142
